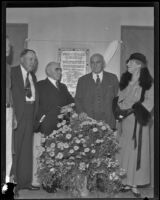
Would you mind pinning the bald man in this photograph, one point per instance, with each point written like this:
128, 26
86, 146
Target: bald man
52, 95
95, 92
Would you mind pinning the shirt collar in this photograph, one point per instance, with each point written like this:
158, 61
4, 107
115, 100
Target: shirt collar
23, 70
52, 80
95, 76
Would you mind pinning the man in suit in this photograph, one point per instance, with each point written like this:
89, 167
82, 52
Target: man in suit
9, 115
95, 92
52, 96
25, 100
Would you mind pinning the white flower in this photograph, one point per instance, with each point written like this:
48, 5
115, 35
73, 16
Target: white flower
52, 145
72, 158
69, 109
72, 104
100, 123
76, 148
59, 125
64, 130
59, 155
40, 151
78, 156
65, 145
109, 164
110, 177
75, 115
52, 170
52, 153
86, 150
113, 174
60, 116
107, 126
98, 141
82, 140
59, 145
48, 149
53, 133
93, 151
62, 147
80, 135
103, 128
43, 140
122, 172
82, 166
66, 127
71, 151
95, 129
68, 136
77, 141
58, 131
63, 122
116, 177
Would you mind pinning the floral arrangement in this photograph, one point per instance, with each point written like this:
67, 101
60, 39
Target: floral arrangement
80, 153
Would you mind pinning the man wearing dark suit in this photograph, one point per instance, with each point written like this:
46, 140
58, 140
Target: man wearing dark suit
95, 92
9, 116
25, 100
52, 96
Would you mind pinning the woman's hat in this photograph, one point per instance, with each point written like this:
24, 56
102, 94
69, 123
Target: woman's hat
138, 56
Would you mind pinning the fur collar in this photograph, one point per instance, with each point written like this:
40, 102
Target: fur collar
145, 79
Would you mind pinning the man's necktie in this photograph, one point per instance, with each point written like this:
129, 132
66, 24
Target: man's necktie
97, 80
28, 91
57, 84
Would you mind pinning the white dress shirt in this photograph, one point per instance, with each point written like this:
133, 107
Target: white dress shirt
52, 81
95, 76
24, 74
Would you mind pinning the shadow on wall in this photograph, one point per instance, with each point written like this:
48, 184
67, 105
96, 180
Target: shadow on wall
35, 66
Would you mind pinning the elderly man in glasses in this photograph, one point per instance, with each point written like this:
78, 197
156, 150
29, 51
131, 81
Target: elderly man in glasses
52, 95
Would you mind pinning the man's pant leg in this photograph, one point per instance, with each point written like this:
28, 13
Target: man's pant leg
36, 144
9, 116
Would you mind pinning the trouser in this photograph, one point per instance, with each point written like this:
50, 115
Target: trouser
9, 118
23, 146
36, 145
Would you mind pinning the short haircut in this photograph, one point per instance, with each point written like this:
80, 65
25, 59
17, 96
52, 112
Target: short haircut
99, 55
25, 51
48, 67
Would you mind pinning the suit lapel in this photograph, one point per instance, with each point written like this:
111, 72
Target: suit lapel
106, 85
51, 85
91, 80
35, 85
20, 80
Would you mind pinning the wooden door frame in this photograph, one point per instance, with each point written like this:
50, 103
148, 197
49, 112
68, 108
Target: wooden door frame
128, 27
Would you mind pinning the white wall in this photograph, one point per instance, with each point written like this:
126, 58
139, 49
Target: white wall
93, 28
